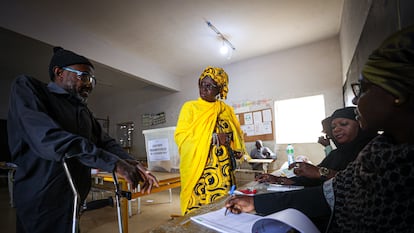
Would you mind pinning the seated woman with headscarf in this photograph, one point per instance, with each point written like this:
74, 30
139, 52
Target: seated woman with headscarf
209, 140
349, 139
375, 192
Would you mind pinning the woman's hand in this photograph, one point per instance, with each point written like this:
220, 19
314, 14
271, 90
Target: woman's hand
305, 169
238, 154
224, 139
240, 204
324, 141
268, 178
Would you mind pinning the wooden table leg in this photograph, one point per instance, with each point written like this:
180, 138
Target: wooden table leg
124, 213
124, 208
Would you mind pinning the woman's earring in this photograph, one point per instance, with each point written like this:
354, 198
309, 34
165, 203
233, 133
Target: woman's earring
397, 101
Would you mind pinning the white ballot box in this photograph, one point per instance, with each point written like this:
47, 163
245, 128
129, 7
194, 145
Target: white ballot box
162, 152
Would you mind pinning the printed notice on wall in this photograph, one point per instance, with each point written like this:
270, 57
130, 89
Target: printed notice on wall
248, 129
257, 125
257, 117
248, 118
267, 115
158, 150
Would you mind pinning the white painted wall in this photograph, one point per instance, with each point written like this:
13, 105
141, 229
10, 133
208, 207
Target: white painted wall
303, 71
307, 70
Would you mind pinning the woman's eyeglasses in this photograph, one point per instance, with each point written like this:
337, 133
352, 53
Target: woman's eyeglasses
208, 86
85, 77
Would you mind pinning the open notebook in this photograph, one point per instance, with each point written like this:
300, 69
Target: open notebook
281, 221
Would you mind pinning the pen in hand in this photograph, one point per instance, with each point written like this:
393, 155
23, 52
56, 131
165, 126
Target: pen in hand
233, 188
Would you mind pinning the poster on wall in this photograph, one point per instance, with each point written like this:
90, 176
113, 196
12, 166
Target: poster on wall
151, 119
248, 118
248, 129
256, 119
257, 125
158, 150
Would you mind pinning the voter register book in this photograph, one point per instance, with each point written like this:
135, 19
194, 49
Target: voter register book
282, 221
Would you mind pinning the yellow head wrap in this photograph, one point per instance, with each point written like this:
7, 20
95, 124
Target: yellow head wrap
391, 66
220, 77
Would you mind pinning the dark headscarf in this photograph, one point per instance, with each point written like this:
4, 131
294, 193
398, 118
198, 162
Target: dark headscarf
347, 112
391, 66
62, 58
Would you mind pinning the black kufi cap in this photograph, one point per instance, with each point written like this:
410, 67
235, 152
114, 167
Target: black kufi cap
62, 58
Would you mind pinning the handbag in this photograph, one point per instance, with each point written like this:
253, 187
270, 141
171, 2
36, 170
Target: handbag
220, 126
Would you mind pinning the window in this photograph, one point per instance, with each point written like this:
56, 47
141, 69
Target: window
299, 120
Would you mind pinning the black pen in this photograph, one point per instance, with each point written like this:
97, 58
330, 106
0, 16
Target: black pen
231, 194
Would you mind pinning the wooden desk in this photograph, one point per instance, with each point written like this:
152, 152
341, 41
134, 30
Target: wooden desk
166, 181
265, 163
185, 225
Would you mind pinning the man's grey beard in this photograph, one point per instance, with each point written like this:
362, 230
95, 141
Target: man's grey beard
72, 91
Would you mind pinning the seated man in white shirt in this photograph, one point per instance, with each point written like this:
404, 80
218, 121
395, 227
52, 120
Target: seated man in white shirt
261, 152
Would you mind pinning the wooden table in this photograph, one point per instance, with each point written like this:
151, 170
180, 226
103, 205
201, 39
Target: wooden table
265, 163
184, 224
166, 181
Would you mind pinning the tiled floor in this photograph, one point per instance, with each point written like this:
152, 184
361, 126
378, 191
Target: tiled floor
155, 210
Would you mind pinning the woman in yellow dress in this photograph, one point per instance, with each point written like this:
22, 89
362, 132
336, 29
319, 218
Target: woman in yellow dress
209, 140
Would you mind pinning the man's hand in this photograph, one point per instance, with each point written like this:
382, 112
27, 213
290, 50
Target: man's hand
148, 179
129, 172
240, 204
133, 172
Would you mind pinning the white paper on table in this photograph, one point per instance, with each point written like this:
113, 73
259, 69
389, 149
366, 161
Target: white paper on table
281, 221
231, 223
288, 173
283, 188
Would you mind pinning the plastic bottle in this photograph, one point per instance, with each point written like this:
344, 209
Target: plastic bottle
290, 154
